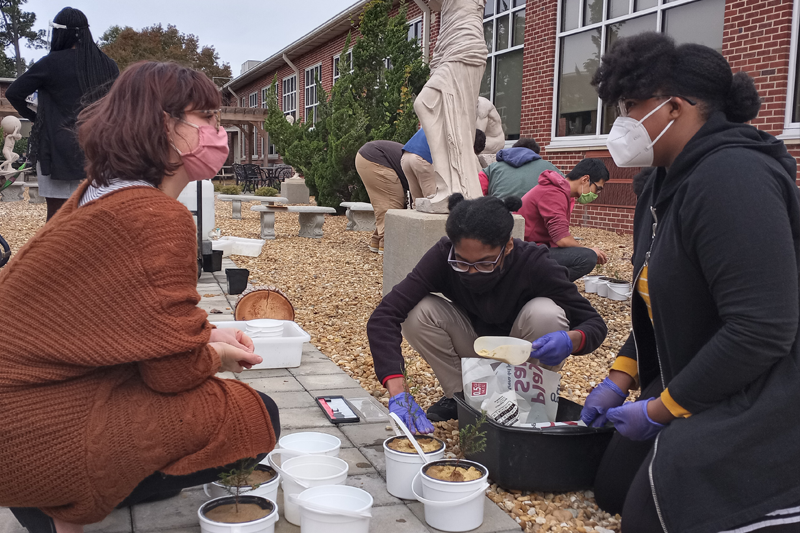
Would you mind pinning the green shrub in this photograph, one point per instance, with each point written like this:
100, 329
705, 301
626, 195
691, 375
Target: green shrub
230, 189
266, 191
217, 187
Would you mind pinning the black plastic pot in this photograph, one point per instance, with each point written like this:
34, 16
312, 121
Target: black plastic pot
213, 262
559, 459
237, 279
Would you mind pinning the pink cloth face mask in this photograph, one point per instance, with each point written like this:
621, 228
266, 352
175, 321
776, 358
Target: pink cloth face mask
204, 162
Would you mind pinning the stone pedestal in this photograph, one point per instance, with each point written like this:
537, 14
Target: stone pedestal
409, 234
33, 193
295, 191
13, 193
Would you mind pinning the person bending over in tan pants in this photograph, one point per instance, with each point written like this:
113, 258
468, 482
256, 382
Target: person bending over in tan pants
378, 165
492, 285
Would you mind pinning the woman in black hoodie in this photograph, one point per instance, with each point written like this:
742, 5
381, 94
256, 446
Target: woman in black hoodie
713, 444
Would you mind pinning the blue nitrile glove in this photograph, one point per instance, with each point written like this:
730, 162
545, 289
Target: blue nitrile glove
605, 396
412, 415
632, 420
552, 348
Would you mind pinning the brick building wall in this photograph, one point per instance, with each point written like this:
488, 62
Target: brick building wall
322, 56
756, 39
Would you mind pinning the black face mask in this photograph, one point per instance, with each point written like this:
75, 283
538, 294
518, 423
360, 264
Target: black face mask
480, 283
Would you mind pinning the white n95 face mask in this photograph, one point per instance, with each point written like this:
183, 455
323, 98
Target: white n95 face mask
629, 143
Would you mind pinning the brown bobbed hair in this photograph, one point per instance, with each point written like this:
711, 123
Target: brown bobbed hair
124, 135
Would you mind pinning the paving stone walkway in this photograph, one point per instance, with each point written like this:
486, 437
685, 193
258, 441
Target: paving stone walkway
293, 389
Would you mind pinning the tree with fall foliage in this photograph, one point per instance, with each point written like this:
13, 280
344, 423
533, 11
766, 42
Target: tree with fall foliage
156, 43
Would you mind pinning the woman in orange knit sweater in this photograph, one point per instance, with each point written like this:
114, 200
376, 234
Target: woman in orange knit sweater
110, 397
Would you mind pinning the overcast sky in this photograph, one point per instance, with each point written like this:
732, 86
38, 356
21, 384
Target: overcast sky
239, 30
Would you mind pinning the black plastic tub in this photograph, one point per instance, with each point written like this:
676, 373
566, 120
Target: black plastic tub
558, 459
237, 279
213, 262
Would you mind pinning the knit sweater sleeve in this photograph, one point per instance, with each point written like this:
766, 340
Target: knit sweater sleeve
169, 252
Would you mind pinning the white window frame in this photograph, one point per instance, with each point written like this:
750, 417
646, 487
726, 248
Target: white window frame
256, 139
243, 101
265, 94
289, 99
490, 58
335, 65
791, 130
253, 99
598, 140
307, 89
418, 20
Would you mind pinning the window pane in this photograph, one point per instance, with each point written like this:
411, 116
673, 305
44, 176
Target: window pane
508, 91
488, 11
519, 28
639, 5
698, 22
488, 34
630, 27
577, 99
570, 10
796, 114
486, 81
592, 11
502, 33
617, 8
519, 3
502, 5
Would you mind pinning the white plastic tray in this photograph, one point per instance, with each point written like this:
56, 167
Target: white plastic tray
278, 352
242, 246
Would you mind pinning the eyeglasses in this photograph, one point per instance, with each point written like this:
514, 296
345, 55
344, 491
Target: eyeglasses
484, 267
624, 105
216, 112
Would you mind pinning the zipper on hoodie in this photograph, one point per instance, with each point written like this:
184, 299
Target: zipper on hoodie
653, 485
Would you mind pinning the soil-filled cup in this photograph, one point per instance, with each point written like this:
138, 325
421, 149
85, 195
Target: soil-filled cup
304, 472
590, 284
334, 509
237, 279
602, 287
267, 486
451, 505
402, 465
219, 516
311, 443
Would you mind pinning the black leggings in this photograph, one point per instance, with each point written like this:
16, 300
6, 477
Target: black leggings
159, 484
622, 485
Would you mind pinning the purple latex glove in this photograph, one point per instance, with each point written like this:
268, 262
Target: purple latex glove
552, 348
605, 396
412, 415
632, 420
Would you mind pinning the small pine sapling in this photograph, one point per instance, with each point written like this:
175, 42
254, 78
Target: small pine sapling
408, 401
471, 441
237, 479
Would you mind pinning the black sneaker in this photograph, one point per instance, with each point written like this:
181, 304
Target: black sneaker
443, 410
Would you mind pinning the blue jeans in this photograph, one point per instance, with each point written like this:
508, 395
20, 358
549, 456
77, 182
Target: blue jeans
578, 260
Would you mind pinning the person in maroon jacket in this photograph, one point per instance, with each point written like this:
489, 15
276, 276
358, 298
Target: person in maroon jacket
492, 285
547, 208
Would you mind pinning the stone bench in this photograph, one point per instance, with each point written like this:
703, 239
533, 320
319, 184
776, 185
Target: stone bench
237, 199
360, 216
13, 193
311, 219
33, 193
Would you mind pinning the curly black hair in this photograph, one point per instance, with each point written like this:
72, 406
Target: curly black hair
480, 142
487, 219
650, 63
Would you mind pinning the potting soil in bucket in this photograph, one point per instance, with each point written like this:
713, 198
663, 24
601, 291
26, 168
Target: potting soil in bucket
452, 505
403, 462
306, 471
334, 509
256, 515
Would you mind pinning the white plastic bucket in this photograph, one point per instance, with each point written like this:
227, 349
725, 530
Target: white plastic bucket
334, 509
602, 288
268, 490
311, 443
451, 505
619, 291
590, 284
401, 467
303, 472
262, 525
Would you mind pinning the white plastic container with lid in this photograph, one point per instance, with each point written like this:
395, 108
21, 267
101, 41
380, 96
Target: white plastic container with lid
243, 246
284, 351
